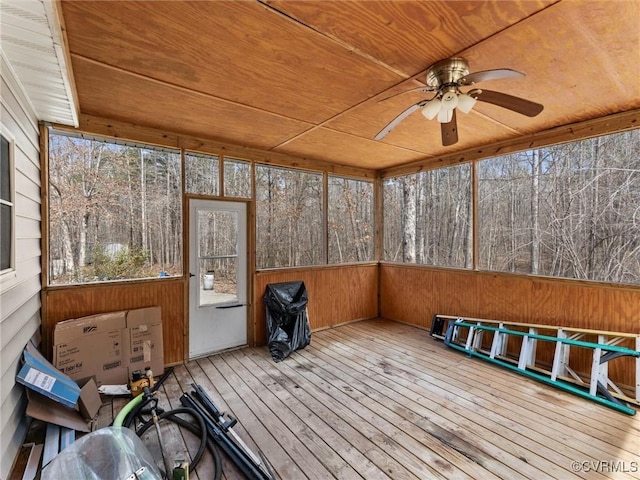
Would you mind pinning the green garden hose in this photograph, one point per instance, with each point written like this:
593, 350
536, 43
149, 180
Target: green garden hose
119, 420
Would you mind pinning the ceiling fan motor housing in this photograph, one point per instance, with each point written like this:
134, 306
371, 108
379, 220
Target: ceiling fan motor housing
447, 71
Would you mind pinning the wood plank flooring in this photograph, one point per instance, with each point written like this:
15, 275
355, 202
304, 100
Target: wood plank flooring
382, 400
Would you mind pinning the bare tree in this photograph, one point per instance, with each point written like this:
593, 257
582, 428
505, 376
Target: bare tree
289, 220
350, 220
105, 204
535, 215
579, 210
409, 220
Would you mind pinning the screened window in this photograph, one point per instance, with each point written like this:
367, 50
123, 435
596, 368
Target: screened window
350, 228
289, 219
6, 205
115, 211
570, 210
237, 178
202, 174
428, 218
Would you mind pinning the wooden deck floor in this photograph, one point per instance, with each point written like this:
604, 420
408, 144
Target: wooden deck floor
378, 399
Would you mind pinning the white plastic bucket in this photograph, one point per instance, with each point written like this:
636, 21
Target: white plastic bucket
208, 281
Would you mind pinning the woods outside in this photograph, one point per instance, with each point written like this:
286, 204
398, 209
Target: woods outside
570, 210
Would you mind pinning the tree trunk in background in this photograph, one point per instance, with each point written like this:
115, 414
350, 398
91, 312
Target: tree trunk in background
468, 261
269, 261
409, 220
457, 239
535, 213
132, 239
82, 250
69, 263
351, 207
594, 210
513, 243
143, 202
420, 218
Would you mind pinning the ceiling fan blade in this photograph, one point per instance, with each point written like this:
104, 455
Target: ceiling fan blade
449, 131
484, 75
517, 104
394, 123
418, 89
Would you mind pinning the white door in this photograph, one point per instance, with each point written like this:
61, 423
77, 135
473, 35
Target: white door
218, 280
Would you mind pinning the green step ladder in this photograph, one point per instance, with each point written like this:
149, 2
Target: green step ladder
489, 340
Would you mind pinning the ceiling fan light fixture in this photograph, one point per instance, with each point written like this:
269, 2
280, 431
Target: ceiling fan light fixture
432, 108
466, 102
449, 101
445, 115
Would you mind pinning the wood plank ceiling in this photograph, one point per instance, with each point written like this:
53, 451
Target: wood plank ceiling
306, 77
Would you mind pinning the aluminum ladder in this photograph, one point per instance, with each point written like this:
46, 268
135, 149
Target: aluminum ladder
514, 345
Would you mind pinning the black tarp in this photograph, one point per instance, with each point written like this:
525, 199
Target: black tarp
287, 322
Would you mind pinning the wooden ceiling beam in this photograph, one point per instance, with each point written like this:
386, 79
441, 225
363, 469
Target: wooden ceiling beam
567, 133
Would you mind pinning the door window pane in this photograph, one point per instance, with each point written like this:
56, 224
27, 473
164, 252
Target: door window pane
218, 256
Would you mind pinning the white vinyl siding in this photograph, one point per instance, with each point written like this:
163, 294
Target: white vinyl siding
19, 286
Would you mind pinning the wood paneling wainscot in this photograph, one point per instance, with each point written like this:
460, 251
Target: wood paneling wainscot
337, 294
79, 301
413, 294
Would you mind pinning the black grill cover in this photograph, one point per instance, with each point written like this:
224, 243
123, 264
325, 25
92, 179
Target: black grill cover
287, 321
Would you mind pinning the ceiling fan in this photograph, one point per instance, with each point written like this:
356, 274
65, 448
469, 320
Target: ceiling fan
445, 79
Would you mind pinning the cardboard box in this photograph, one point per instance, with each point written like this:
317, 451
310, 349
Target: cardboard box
110, 346
143, 345
80, 419
92, 347
39, 375
89, 402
